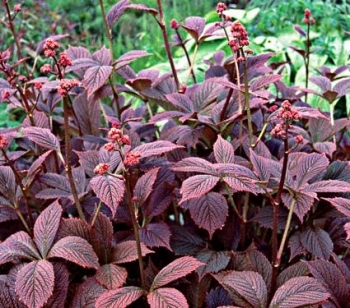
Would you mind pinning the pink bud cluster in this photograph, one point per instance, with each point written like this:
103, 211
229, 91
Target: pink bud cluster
50, 47
131, 158
45, 69
174, 24
240, 37
3, 142
17, 8
308, 19
66, 85
115, 134
64, 60
287, 115
220, 8
101, 168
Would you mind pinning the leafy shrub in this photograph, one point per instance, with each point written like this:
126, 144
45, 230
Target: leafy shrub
211, 187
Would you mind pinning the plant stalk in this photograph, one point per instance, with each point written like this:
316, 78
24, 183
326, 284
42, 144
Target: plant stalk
68, 159
136, 228
166, 42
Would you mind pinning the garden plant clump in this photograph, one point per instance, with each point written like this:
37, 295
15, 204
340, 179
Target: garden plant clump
209, 182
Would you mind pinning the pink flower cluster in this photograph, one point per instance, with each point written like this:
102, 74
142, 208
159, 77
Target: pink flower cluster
64, 60
115, 134
3, 142
101, 168
308, 19
66, 85
50, 47
287, 115
240, 36
131, 158
174, 24
220, 8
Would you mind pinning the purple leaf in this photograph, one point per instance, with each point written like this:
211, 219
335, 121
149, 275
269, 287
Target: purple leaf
295, 245
144, 185
322, 82
342, 87
264, 81
116, 12
332, 279
223, 151
214, 261
241, 183
19, 244
95, 77
197, 186
142, 7
327, 147
156, 148
86, 294
303, 203
195, 164
156, 235
181, 101
333, 186
317, 242
103, 56
82, 63
76, 250
109, 189
128, 57
8, 183
299, 292
7, 213
309, 166
119, 298
341, 204
127, 252
218, 297
166, 297
35, 283
46, 227
175, 270
298, 269
74, 227
184, 242
194, 26
42, 137
57, 300
300, 30
248, 284
102, 236
208, 211
206, 94
111, 276
265, 217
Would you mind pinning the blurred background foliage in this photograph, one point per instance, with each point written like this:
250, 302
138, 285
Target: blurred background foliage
270, 25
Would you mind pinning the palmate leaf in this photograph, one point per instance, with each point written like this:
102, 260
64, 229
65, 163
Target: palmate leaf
264, 81
224, 151
109, 189
75, 249
197, 186
329, 275
214, 261
194, 26
309, 166
46, 227
166, 297
95, 77
175, 270
303, 203
60, 290
35, 283
156, 235
116, 12
111, 276
86, 294
341, 204
128, 57
195, 164
127, 252
208, 211
298, 269
144, 185
181, 101
299, 292
119, 298
43, 137
248, 284
156, 148
317, 242
20, 245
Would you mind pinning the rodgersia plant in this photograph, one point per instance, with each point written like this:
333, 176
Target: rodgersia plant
221, 188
